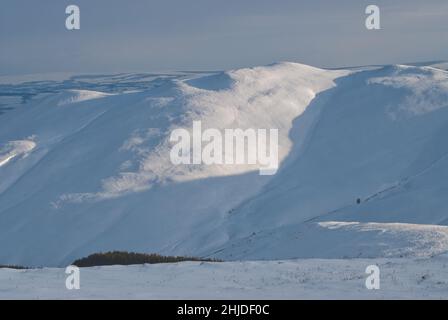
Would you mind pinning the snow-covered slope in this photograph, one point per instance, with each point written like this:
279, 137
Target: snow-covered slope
96, 173
379, 139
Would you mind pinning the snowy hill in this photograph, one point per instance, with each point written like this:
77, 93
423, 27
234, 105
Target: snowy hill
84, 165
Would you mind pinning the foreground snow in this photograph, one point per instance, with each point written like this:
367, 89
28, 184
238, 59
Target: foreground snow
293, 279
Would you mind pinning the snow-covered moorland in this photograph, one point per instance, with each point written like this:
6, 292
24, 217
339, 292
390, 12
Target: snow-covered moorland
85, 167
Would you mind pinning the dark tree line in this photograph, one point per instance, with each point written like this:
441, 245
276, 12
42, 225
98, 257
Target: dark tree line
128, 258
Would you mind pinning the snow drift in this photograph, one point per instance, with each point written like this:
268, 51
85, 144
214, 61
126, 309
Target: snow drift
363, 145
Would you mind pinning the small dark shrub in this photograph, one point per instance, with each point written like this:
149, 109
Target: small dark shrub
2, 266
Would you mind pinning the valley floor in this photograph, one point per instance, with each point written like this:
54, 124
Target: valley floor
290, 279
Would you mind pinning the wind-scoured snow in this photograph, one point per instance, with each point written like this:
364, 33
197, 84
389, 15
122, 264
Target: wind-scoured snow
13, 159
365, 145
428, 90
12, 149
75, 96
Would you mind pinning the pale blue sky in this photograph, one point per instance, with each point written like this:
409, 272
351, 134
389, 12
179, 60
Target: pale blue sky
156, 35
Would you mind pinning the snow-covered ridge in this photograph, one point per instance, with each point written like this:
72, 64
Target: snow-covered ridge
365, 145
422, 240
339, 240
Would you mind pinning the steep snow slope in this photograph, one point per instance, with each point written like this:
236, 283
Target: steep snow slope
99, 176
